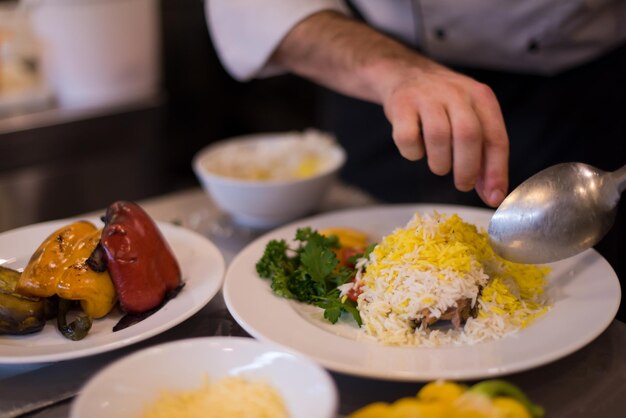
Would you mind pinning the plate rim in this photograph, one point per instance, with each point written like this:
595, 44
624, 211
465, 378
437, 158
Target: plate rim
212, 289
405, 376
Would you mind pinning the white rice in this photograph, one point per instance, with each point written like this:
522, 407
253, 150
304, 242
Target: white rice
432, 263
283, 157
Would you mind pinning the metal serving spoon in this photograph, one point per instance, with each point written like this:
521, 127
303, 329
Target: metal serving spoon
557, 213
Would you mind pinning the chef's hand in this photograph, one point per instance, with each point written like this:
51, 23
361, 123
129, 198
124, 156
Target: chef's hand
452, 120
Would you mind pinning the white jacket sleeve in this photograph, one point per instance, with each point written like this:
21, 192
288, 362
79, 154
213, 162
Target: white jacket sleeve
245, 33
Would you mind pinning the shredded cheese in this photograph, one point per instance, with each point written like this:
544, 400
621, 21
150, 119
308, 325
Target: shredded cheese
232, 397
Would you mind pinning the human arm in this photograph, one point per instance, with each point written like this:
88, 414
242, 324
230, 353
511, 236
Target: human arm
246, 32
451, 119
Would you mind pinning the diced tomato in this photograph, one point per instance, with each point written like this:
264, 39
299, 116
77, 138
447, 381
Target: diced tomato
345, 253
354, 291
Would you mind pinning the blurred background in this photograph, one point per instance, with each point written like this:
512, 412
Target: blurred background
109, 99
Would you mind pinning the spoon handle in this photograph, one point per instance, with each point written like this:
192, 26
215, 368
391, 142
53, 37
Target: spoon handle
620, 178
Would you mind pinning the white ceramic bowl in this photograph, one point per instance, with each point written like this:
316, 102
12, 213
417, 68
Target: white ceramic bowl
281, 197
124, 388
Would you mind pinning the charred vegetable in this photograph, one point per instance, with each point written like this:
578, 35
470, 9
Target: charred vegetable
78, 328
131, 319
141, 263
59, 267
41, 275
93, 289
19, 314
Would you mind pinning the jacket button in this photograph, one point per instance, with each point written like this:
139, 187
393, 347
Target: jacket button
440, 34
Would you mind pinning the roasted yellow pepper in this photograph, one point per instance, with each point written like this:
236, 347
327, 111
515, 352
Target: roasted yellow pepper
59, 267
489, 399
348, 237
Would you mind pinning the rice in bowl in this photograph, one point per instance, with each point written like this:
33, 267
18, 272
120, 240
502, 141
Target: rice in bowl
271, 158
425, 271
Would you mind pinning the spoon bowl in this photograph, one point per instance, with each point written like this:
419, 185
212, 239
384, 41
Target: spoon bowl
557, 213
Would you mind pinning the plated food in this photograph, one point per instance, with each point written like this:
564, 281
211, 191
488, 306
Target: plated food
441, 268
127, 261
201, 270
209, 377
583, 294
436, 269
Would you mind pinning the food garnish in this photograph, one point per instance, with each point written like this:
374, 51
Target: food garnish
308, 271
442, 399
437, 269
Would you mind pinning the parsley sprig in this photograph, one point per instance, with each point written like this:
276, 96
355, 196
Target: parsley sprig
309, 272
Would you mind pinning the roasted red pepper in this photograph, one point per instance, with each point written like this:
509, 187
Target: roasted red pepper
140, 262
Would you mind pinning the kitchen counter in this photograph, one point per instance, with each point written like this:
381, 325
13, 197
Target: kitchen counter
589, 383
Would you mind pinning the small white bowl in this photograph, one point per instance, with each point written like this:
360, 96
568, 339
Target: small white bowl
225, 167
124, 388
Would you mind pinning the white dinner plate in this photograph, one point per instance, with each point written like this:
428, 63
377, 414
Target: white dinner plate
584, 292
307, 390
202, 266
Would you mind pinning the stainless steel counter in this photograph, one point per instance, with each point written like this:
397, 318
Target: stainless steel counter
588, 383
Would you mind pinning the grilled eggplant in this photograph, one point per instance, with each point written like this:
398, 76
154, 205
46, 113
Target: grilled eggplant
19, 314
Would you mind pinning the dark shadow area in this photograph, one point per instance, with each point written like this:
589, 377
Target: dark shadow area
83, 164
205, 104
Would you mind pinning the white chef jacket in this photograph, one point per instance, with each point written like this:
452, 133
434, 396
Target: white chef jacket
533, 36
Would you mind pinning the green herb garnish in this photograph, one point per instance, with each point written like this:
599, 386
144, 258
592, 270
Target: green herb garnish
309, 273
